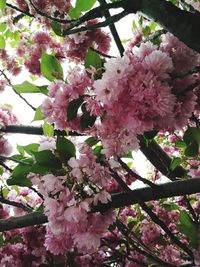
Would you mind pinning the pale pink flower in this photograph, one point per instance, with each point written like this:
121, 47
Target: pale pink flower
103, 197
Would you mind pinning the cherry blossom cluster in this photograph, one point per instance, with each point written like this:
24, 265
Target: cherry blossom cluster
140, 87
67, 203
61, 94
54, 8
78, 44
6, 118
9, 63
31, 54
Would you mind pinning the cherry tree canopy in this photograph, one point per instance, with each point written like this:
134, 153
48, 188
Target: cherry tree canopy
69, 199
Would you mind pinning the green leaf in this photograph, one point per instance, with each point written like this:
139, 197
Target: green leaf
56, 27
84, 5
176, 161
130, 164
171, 206
39, 169
30, 149
38, 115
2, 4
192, 150
180, 144
134, 25
153, 25
146, 31
150, 135
98, 154
2, 42
173, 1
27, 87
128, 155
65, 148
19, 176
16, 239
93, 59
192, 134
192, 139
1, 240
91, 141
20, 150
47, 159
1, 170
73, 107
3, 26
74, 13
51, 67
87, 120
40, 208
5, 192
189, 228
48, 129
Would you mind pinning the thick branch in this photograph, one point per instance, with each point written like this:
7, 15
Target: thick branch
183, 24
157, 156
30, 219
172, 189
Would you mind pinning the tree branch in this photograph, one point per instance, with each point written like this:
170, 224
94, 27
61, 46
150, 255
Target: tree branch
30, 219
183, 24
20, 10
137, 176
48, 16
157, 156
24, 99
172, 189
33, 130
113, 29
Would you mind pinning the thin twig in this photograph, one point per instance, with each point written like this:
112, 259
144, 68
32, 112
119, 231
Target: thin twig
38, 193
163, 226
190, 88
4, 158
101, 53
113, 29
91, 27
15, 204
20, 10
154, 217
137, 176
43, 14
181, 75
24, 99
5, 166
151, 256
